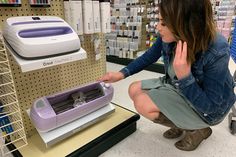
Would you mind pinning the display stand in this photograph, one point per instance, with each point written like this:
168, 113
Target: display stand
30, 65
90, 142
56, 135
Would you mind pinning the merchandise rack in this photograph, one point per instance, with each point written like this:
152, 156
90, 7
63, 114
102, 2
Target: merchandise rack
38, 83
32, 85
9, 108
155, 67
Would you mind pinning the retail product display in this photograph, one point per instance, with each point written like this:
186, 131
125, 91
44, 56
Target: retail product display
50, 75
152, 21
87, 6
33, 37
224, 15
105, 16
10, 3
35, 3
88, 16
126, 27
73, 15
4, 121
53, 111
96, 16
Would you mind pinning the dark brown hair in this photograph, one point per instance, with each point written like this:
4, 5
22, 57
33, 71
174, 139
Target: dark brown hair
191, 21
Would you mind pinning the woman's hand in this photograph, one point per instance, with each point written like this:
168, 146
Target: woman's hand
180, 64
111, 77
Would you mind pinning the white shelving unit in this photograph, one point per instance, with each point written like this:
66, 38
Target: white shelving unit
11, 124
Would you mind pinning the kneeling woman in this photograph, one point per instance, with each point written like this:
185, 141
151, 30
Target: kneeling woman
197, 90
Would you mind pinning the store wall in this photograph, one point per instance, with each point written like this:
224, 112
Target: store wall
38, 83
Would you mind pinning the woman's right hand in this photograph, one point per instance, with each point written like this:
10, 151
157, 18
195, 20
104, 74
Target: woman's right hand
111, 77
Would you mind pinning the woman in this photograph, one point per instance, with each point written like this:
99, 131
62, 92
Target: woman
197, 90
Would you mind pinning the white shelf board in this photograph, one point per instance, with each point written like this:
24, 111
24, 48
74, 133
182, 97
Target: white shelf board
30, 65
60, 133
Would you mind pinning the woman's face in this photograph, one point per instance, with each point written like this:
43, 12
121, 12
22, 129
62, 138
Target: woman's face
166, 35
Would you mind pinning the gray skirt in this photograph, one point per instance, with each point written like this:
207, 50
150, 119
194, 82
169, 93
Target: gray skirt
173, 104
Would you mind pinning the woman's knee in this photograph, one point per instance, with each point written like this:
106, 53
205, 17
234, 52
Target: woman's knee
145, 106
134, 88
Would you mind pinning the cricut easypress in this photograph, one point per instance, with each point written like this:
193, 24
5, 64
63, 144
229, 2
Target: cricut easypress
33, 37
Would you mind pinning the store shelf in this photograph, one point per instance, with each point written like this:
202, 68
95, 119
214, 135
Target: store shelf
90, 142
59, 134
9, 3
157, 67
30, 65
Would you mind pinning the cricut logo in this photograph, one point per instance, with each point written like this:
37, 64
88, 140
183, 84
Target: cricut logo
47, 63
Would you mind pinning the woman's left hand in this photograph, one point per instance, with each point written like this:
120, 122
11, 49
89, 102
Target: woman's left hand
180, 64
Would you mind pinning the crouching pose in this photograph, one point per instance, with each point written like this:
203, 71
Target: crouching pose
197, 89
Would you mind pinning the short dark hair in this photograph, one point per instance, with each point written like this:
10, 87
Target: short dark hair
191, 21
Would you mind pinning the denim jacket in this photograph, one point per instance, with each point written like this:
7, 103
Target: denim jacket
209, 87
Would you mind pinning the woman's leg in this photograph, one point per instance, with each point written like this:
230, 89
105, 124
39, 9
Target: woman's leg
142, 102
145, 106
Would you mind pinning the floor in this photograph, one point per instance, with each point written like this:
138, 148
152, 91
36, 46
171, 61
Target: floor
148, 140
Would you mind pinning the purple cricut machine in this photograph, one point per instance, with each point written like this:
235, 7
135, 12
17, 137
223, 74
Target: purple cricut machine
50, 112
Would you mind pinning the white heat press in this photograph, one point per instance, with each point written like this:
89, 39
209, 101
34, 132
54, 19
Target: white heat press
34, 37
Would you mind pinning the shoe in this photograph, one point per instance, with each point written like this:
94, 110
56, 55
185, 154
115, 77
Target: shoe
163, 120
173, 133
193, 138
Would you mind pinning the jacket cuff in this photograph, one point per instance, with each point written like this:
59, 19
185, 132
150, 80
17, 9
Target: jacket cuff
125, 72
184, 82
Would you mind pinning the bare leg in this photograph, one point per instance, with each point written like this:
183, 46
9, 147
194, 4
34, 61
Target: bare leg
142, 102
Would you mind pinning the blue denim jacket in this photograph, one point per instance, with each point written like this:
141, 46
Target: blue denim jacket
209, 87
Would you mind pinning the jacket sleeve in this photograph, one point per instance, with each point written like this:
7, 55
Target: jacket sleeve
149, 57
207, 98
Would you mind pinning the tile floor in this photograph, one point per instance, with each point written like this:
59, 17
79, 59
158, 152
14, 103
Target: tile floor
148, 140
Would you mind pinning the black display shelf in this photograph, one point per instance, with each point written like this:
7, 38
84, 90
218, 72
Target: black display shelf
157, 67
9, 5
40, 5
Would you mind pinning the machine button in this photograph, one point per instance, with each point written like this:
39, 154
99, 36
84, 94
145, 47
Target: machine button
107, 85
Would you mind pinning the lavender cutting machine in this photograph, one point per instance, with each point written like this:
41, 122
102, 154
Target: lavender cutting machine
61, 115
